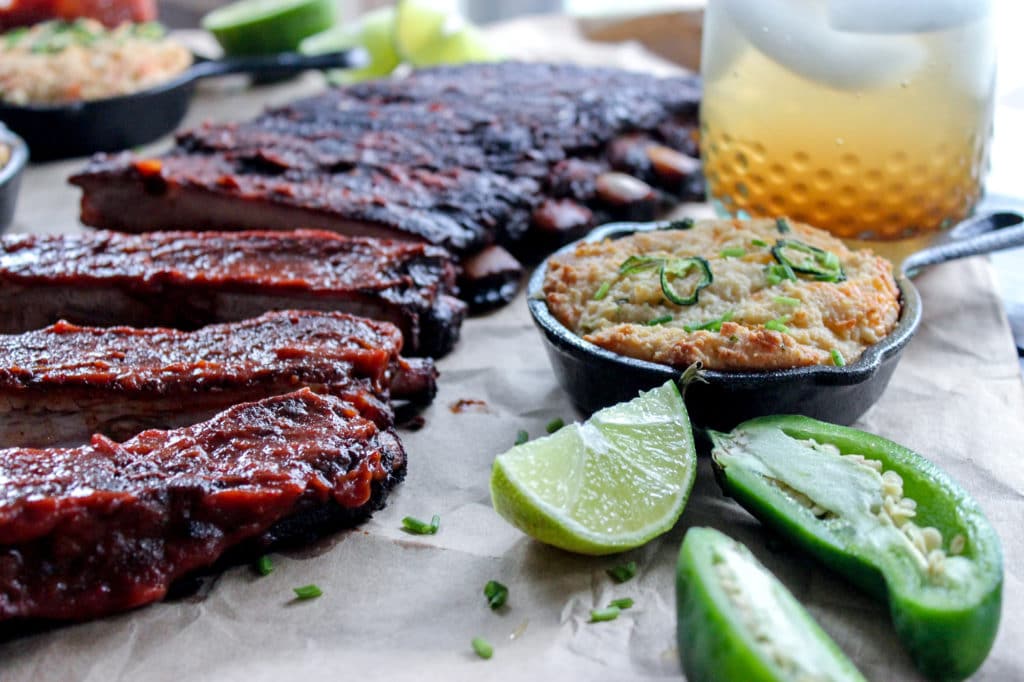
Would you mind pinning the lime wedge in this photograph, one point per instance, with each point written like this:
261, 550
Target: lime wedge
614, 482
374, 32
267, 26
461, 47
417, 24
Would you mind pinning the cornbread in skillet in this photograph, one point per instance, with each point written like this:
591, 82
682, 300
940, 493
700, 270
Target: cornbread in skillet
769, 294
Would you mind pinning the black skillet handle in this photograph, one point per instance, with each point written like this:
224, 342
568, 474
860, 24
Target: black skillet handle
980, 234
278, 64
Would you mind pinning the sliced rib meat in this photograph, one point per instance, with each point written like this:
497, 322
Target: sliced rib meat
464, 157
186, 280
107, 527
61, 384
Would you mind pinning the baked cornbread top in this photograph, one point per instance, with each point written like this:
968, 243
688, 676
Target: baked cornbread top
736, 295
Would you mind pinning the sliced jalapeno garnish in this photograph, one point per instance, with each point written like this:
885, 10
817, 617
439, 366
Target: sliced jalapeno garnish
678, 268
884, 517
809, 260
639, 263
736, 621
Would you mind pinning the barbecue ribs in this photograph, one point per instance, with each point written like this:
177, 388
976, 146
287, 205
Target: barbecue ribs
61, 384
186, 280
515, 154
107, 527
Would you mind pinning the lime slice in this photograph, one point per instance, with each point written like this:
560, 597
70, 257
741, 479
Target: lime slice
417, 24
374, 32
610, 484
462, 47
267, 26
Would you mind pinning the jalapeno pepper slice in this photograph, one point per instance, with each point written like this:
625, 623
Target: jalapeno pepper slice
885, 518
809, 260
736, 621
678, 268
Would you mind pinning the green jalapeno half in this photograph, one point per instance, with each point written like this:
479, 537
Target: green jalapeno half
738, 622
885, 518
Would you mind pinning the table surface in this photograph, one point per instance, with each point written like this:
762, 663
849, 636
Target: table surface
955, 396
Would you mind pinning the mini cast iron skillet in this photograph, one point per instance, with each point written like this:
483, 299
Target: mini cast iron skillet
10, 175
61, 131
595, 377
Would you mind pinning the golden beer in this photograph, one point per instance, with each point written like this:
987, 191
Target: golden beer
876, 130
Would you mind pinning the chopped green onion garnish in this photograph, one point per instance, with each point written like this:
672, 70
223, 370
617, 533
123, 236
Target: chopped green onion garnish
837, 358
714, 325
522, 436
307, 592
658, 320
602, 615
758, 242
602, 291
679, 267
787, 300
782, 225
482, 647
776, 272
622, 604
414, 525
622, 572
778, 324
554, 425
496, 593
681, 224
264, 566
733, 252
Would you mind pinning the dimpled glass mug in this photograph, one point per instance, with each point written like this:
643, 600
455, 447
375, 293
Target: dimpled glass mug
869, 118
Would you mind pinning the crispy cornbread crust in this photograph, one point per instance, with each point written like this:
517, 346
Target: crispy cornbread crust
846, 316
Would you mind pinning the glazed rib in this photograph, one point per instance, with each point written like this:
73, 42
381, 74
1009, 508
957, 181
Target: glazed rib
462, 157
61, 384
107, 527
186, 280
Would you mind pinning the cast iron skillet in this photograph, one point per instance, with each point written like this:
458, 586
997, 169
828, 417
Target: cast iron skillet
595, 378
10, 175
60, 131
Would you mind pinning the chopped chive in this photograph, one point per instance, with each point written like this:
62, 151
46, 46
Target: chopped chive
622, 572
307, 592
602, 615
733, 252
776, 272
264, 566
680, 224
758, 242
622, 604
787, 300
714, 325
778, 324
522, 436
837, 358
554, 425
602, 291
414, 525
658, 320
496, 593
482, 647
782, 225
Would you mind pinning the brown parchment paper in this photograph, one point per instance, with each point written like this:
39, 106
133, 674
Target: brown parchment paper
400, 607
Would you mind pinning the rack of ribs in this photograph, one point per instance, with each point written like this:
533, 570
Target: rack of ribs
186, 280
473, 158
61, 384
107, 527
